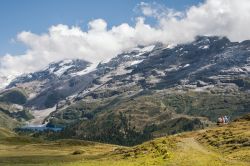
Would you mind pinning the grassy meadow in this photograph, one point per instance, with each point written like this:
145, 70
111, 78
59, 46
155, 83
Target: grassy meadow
220, 145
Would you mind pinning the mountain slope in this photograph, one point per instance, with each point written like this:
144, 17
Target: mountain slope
144, 92
59, 80
168, 90
212, 146
13, 115
6, 133
7, 121
15, 96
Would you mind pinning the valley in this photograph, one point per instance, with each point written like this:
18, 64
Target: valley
151, 105
219, 145
125, 83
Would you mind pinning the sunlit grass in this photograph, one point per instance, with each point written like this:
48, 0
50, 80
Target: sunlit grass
218, 146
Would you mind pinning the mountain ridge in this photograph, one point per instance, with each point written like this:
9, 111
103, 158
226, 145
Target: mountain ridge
146, 91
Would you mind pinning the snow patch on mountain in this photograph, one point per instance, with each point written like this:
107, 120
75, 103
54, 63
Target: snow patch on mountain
66, 61
187, 65
89, 69
237, 70
171, 46
247, 68
144, 49
62, 70
136, 62
204, 47
148, 48
138, 51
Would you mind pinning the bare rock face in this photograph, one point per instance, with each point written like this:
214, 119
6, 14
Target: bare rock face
206, 62
59, 80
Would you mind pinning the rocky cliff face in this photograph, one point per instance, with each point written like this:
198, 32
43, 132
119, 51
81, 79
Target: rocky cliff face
208, 62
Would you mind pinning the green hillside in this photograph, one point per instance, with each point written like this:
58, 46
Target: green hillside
12, 116
131, 120
7, 122
6, 133
225, 145
15, 96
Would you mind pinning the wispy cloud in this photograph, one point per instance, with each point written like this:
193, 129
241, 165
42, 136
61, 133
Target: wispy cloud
215, 17
157, 11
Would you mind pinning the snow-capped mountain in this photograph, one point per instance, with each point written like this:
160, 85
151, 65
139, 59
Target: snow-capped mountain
60, 80
162, 90
175, 86
208, 62
56, 81
57, 70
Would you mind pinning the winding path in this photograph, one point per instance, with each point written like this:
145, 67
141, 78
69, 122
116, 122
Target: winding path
191, 153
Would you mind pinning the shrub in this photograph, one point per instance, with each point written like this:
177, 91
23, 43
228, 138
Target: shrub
77, 152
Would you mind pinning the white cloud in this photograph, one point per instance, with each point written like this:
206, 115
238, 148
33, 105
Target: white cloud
157, 11
215, 17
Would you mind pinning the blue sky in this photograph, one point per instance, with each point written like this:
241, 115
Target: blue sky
38, 15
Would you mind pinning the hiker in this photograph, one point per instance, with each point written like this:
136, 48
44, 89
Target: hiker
226, 119
219, 121
223, 120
